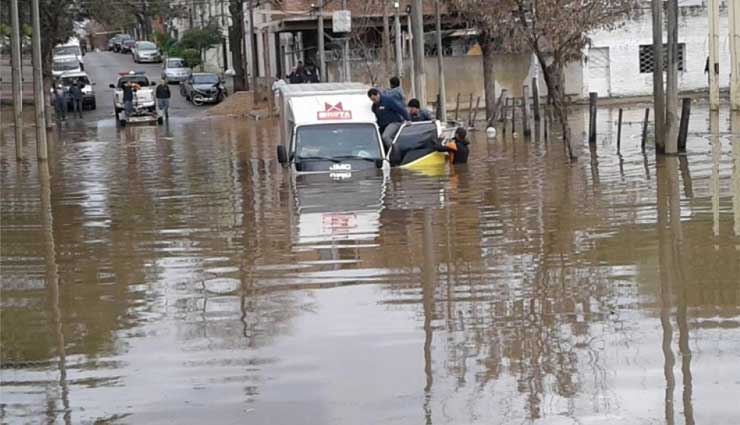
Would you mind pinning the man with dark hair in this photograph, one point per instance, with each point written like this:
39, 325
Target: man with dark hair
75, 93
298, 76
457, 147
163, 98
389, 113
418, 114
396, 91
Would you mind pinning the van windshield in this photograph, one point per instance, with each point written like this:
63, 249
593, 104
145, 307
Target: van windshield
337, 141
67, 51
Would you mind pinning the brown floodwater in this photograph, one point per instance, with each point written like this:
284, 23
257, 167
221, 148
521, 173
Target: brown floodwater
179, 275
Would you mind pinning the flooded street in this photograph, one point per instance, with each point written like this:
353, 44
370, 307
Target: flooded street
179, 275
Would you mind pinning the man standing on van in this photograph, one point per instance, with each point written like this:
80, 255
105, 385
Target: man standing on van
389, 113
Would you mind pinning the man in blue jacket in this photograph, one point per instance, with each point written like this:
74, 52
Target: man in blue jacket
389, 113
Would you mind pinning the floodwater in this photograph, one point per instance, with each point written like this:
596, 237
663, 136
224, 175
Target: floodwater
178, 275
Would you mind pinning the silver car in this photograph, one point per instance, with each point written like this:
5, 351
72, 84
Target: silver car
146, 51
175, 70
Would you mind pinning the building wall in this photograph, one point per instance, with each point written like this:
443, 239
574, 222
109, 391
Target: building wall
624, 43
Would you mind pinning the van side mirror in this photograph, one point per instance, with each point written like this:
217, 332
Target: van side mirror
378, 163
112, 86
282, 155
153, 83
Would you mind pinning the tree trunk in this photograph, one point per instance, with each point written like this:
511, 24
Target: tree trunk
489, 75
555, 81
236, 42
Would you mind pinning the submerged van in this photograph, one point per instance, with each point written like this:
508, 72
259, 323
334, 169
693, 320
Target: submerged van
329, 128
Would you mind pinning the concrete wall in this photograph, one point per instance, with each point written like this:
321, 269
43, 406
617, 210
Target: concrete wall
624, 44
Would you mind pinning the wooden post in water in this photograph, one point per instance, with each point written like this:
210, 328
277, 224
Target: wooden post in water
475, 113
525, 115
645, 127
536, 99
457, 108
619, 131
501, 98
592, 97
437, 113
470, 108
683, 129
513, 115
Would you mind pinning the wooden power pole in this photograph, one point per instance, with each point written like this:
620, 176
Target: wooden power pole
734, 21
320, 35
39, 98
442, 107
16, 77
671, 111
713, 9
417, 20
399, 46
658, 93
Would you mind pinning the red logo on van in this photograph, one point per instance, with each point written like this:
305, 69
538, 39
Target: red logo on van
335, 112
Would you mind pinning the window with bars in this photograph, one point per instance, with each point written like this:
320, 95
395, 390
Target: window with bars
647, 61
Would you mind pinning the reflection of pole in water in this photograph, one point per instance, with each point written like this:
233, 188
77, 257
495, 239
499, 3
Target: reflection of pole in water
52, 282
716, 155
685, 350
427, 292
666, 265
736, 171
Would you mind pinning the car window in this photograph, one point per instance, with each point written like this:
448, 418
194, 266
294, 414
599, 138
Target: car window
175, 63
146, 45
67, 81
205, 79
338, 140
137, 79
65, 65
66, 50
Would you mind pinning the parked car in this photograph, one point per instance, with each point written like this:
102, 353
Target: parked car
70, 50
174, 70
62, 65
88, 94
146, 51
203, 87
112, 42
118, 41
127, 45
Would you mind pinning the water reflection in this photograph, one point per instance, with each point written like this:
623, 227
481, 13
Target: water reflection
162, 275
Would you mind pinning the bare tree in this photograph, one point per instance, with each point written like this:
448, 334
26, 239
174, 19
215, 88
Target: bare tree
366, 44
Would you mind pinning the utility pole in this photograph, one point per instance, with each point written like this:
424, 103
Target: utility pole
399, 47
734, 18
387, 54
345, 56
39, 99
442, 107
417, 16
713, 8
15, 41
320, 35
658, 96
412, 61
671, 142
252, 47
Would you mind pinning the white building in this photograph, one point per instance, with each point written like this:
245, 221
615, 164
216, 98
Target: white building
619, 62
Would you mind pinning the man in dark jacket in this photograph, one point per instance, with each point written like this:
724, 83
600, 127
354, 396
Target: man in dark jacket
389, 113
128, 98
163, 98
396, 91
75, 93
457, 147
418, 114
298, 76
60, 103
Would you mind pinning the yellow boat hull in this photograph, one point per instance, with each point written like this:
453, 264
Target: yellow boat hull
432, 163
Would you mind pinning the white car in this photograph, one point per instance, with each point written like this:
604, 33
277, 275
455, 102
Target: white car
69, 51
64, 65
146, 51
88, 94
144, 107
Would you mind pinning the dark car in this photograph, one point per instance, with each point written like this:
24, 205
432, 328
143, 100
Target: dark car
127, 45
117, 40
203, 87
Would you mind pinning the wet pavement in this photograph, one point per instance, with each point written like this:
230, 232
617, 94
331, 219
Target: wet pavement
179, 275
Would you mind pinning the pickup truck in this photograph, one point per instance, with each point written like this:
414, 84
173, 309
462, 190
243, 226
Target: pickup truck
144, 107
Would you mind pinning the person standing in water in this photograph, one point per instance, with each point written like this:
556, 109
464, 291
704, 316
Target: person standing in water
163, 98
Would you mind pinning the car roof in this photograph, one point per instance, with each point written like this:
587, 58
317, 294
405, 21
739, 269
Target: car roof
75, 74
196, 74
175, 58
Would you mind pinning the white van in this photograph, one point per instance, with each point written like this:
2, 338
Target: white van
68, 51
329, 128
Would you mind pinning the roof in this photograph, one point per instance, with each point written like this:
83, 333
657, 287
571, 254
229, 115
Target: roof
320, 88
74, 74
